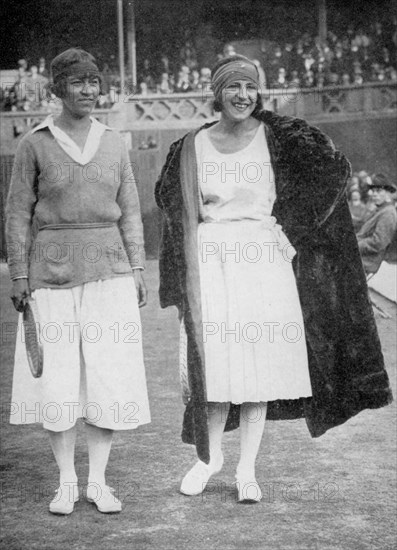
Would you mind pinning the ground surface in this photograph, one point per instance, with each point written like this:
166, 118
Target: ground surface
335, 492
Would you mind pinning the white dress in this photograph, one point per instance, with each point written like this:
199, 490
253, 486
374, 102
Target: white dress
253, 332
92, 348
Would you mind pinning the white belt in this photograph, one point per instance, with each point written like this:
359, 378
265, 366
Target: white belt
269, 223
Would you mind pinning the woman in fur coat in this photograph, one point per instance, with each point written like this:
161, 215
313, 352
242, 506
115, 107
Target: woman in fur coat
259, 255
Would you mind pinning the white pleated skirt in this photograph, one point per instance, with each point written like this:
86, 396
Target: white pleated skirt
253, 332
93, 360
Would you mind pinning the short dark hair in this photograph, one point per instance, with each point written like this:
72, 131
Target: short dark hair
61, 62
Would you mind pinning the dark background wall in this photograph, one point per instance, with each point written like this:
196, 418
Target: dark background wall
369, 143
33, 28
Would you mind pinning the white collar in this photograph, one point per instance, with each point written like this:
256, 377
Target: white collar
69, 146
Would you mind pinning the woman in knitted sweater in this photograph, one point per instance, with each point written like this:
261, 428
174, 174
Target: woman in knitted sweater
75, 247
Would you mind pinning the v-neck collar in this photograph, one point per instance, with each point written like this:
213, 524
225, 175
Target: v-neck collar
69, 146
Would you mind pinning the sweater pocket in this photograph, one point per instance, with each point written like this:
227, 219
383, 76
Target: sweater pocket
118, 260
58, 272
53, 270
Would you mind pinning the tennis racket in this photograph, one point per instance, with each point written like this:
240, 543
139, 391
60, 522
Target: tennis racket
34, 348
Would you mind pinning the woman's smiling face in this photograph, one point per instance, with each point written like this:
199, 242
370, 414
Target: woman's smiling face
239, 99
81, 94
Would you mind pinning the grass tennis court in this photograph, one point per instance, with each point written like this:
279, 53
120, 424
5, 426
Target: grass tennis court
335, 492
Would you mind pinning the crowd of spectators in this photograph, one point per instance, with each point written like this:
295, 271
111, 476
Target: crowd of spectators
30, 91
352, 57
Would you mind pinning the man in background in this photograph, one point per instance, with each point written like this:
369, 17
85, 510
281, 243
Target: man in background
378, 231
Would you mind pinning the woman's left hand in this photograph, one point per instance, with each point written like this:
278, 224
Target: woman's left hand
141, 290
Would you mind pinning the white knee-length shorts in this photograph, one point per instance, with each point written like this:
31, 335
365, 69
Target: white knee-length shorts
93, 360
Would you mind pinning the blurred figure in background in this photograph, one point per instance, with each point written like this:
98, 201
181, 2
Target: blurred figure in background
357, 208
42, 68
379, 230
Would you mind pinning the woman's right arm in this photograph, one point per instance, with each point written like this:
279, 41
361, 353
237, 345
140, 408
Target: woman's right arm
22, 197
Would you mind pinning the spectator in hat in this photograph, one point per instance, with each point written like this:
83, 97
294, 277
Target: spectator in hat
378, 231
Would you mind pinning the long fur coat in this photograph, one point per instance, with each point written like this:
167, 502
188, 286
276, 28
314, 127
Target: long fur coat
345, 359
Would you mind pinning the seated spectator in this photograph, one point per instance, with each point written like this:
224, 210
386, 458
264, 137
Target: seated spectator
22, 66
205, 79
42, 68
143, 90
391, 74
379, 230
309, 61
295, 80
165, 64
345, 80
339, 63
182, 84
20, 87
308, 79
9, 100
164, 86
381, 76
195, 80
281, 81
361, 39
357, 208
358, 79
36, 91
375, 68
146, 76
188, 55
332, 79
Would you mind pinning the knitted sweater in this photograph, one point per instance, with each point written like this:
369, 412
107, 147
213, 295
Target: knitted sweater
69, 223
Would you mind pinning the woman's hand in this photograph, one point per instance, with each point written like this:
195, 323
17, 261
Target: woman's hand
20, 293
141, 290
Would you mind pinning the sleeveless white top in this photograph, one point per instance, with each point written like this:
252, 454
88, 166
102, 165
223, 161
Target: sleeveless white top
235, 186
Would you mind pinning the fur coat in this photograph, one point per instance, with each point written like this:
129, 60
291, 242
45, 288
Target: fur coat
345, 359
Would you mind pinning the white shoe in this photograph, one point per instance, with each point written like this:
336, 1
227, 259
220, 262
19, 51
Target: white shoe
248, 489
103, 498
63, 502
197, 478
